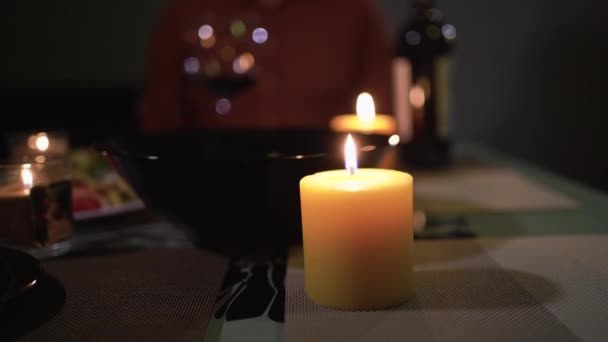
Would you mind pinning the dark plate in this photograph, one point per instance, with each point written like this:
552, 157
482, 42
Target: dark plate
19, 272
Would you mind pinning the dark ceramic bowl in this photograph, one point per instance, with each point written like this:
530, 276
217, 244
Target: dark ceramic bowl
233, 188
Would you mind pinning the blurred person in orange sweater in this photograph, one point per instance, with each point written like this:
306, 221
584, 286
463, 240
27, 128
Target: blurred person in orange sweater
321, 55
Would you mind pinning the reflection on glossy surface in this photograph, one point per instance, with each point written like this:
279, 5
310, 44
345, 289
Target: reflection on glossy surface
393, 140
21, 316
367, 148
228, 53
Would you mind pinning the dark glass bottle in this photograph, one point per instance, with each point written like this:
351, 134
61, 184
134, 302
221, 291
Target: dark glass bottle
422, 85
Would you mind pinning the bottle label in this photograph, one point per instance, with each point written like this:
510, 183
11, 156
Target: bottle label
443, 95
402, 81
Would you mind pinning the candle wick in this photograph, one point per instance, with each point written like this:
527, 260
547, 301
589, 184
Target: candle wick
352, 170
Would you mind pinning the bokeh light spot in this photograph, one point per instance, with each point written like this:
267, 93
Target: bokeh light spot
260, 35
243, 63
223, 106
393, 140
205, 32
192, 65
433, 31
227, 53
412, 37
448, 31
208, 43
237, 28
212, 68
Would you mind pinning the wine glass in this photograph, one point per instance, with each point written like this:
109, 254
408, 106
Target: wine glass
223, 54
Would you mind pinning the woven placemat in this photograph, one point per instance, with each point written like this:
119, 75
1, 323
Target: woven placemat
149, 295
461, 294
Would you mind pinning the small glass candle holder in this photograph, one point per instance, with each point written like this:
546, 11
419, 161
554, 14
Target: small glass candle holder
36, 206
38, 146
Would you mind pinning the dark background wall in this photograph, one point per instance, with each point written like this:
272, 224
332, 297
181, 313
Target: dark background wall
529, 75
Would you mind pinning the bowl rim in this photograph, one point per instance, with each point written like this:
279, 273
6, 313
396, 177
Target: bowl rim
116, 146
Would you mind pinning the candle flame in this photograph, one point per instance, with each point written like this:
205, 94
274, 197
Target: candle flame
366, 111
350, 155
42, 142
27, 177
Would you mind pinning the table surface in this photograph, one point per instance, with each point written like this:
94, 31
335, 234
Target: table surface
536, 275
590, 218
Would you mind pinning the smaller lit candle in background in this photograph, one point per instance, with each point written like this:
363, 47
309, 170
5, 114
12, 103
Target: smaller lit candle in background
365, 120
39, 147
357, 235
16, 207
22, 184
36, 209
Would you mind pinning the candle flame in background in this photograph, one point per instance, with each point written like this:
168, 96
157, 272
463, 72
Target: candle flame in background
350, 155
39, 142
26, 176
366, 111
42, 142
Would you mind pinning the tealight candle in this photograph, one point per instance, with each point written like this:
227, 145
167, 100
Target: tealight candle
16, 208
365, 120
36, 212
357, 235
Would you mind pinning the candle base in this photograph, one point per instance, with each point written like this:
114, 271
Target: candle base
377, 300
